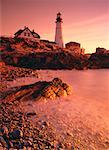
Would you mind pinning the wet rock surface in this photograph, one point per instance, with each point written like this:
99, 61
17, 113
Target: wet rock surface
17, 131
41, 90
9, 73
55, 88
77, 133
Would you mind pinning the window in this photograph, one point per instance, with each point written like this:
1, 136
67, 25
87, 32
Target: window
28, 34
24, 33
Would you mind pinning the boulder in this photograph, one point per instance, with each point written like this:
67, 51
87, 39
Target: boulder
56, 88
16, 134
41, 90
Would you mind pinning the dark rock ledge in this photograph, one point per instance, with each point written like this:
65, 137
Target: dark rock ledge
40, 90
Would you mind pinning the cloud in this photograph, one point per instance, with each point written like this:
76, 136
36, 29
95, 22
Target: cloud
96, 20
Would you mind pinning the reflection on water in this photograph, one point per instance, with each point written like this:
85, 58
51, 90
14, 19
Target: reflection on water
91, 84
85, 111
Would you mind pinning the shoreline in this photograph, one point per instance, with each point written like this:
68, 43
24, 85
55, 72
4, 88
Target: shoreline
64, 118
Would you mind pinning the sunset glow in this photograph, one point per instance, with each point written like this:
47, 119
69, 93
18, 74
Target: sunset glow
84, 21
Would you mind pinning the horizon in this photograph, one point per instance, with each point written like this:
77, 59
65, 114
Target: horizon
86, 22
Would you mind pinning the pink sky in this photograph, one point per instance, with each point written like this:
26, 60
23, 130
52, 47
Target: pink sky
84, 21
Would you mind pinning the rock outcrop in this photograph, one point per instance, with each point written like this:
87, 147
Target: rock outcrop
10, 73
47, 55
56, 88
17, 131
98, 61
38, 55
41, 90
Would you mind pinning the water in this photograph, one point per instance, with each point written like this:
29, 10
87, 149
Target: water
85, 111
88, 84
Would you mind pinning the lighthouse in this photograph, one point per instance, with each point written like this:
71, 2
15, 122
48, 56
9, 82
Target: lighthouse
58, 32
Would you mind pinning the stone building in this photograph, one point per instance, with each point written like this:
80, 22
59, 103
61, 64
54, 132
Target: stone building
27, 33
100, 50
75, 48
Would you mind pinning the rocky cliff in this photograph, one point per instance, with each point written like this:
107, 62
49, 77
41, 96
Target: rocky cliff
97, 61
46, 55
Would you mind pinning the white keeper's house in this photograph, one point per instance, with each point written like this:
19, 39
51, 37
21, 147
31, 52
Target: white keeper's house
27, 33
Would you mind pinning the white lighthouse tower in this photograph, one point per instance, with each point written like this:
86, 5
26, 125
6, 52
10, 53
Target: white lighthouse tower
58, 33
